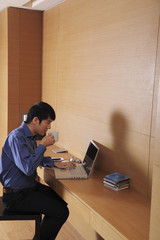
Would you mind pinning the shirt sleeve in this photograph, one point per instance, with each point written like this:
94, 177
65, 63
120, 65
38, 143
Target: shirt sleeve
26, 159
47, 162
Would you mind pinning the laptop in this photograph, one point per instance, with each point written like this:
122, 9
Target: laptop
82, 170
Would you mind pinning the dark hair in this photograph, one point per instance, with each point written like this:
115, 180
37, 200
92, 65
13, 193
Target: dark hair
42, 111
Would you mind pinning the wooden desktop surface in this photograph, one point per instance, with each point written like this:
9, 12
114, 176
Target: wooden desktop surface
114, 215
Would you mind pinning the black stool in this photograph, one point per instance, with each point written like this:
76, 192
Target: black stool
6, 215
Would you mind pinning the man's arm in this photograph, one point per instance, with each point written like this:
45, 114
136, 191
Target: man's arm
25, 158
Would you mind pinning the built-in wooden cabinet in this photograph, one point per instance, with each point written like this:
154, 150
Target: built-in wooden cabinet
20, 65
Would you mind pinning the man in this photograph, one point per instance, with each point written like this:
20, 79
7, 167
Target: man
18, 163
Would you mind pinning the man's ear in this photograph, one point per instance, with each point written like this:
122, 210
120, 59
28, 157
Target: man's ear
35, 120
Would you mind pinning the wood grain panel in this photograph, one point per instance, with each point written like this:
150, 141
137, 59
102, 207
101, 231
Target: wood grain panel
155, 206
50, 55
13, 68
156, 120
155, 154
155, 127
24, 62
31, 56
102, 67
104, 229
13, 55
85, 229
13, 115
89, 53
3, 76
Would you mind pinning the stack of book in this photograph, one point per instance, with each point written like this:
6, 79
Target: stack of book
116, 181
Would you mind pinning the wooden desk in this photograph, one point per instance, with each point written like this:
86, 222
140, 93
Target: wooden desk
97, 209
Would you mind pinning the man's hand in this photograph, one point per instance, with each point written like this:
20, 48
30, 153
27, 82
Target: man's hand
65, 165
47, 140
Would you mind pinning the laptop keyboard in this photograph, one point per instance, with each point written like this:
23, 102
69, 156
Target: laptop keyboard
77, 172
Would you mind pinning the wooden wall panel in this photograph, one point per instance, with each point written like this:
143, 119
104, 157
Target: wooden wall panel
13, 67
3, 76
30, 57
20, 65
100, 75
155, 130
24, 62
50, 56
156, 137
155, 155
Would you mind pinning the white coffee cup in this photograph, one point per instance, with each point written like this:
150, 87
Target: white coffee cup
55, 134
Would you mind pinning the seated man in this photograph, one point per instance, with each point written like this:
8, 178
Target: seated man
18, 163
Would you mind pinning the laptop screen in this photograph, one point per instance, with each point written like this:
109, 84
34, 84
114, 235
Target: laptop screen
90, 156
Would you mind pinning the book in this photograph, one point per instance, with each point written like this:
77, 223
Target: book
59, 150
116, 178
117, 188
116, 181
117, 184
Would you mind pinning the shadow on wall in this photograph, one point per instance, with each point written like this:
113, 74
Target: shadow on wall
120, 159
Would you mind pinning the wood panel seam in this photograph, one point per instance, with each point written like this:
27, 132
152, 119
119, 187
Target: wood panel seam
153, 102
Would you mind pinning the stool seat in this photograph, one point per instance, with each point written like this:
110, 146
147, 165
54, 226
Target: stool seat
6, 215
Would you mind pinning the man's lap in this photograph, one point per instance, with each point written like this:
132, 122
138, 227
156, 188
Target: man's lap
42, 199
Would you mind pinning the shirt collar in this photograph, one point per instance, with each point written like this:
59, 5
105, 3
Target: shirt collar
26, 130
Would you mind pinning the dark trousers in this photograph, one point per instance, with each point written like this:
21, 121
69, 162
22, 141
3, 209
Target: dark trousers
41, 199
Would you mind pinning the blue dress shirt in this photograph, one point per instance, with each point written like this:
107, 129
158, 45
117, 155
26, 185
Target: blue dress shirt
20, 158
